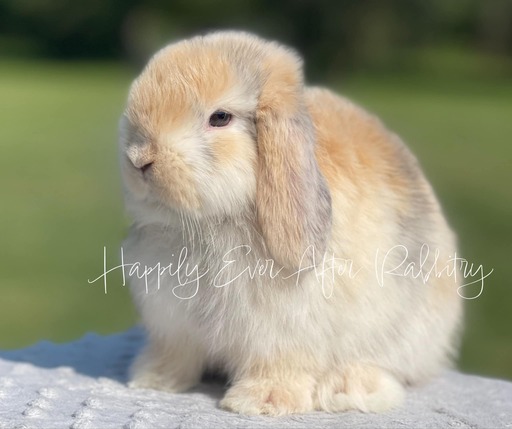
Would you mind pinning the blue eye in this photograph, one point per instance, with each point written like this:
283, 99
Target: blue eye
220, 118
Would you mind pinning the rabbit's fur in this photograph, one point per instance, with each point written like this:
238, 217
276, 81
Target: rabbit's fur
300, 181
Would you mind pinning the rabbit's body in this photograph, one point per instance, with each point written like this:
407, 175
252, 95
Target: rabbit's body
299, 331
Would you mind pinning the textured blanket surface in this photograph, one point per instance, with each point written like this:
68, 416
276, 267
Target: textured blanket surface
81, 384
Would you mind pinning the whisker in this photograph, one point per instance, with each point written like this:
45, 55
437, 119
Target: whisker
182, 226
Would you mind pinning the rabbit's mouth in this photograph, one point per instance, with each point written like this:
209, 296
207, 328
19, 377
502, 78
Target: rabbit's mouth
166, 181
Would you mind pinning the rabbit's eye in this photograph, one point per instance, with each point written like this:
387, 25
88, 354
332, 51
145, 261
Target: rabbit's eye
220, 118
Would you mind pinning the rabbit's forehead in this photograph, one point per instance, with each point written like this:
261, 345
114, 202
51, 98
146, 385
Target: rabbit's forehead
182, 84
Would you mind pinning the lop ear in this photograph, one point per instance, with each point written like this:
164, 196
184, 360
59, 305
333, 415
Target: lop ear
293, 200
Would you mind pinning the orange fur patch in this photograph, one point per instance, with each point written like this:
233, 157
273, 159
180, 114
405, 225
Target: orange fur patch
174, 87
353, 145
231, 148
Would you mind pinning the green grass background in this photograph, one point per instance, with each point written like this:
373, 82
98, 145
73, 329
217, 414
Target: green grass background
61, 200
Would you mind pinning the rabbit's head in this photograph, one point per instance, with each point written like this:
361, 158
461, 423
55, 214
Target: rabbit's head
216, 126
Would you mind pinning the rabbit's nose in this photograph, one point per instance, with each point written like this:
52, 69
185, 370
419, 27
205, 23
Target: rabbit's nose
140, 159
145, 167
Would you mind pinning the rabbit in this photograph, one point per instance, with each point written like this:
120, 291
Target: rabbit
281, 236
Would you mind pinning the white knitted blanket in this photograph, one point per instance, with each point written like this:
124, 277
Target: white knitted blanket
82, 385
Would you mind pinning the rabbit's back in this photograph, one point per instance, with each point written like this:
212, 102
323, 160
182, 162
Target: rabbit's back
388, 224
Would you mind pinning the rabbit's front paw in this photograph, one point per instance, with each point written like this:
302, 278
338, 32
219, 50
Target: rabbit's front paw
359, 387
252, 397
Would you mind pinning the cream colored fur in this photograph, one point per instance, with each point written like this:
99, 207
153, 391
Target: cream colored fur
289, 339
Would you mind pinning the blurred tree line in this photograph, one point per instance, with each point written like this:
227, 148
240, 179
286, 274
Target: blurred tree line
332, 34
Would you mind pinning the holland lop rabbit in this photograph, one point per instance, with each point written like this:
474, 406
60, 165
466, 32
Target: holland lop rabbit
289, 239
